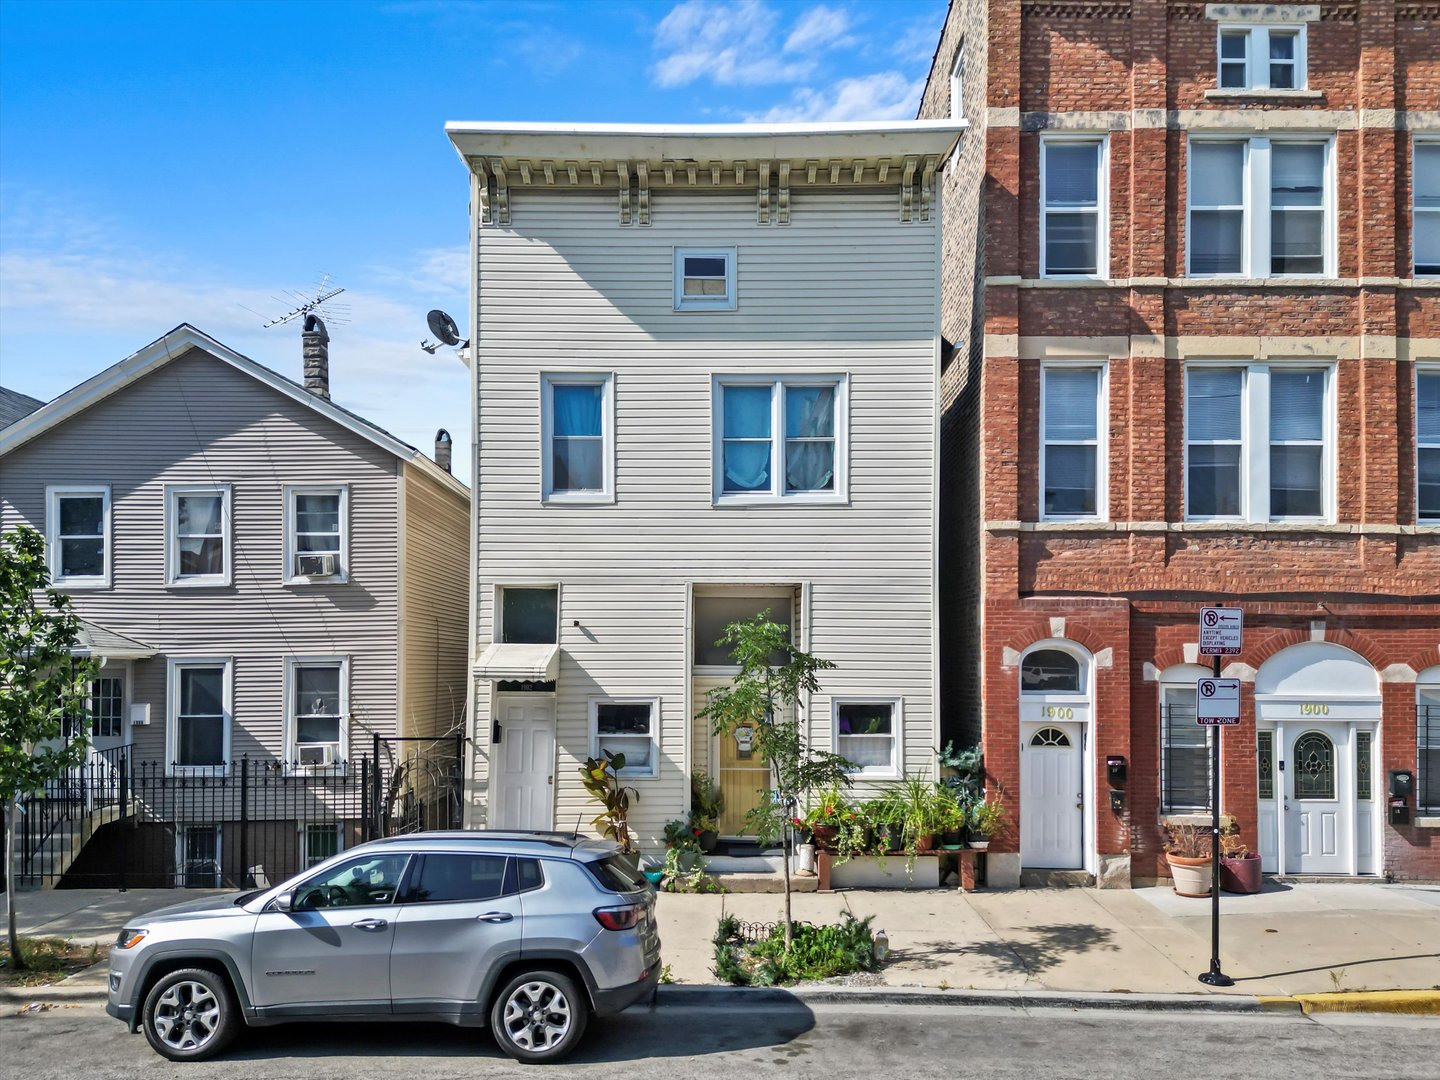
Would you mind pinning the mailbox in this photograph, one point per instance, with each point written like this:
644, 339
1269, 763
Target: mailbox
1115, 769
1402, 786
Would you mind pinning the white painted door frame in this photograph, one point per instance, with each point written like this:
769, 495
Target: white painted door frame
543, 807
1077, 729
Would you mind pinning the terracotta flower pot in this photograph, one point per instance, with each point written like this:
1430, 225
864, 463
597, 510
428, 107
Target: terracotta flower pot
925, 842
1192, 876
825, 837
1240, 875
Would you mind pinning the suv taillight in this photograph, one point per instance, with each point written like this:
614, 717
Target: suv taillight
619, 918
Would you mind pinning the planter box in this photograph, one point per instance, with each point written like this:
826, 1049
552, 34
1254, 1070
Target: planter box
867, 872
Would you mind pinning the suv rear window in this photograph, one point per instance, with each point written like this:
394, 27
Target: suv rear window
617, 873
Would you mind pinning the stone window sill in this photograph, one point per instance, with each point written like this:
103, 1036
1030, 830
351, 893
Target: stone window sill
1260, 93
1427, 823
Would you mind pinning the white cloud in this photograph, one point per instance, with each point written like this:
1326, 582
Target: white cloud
886, 95
820, 28
732, 44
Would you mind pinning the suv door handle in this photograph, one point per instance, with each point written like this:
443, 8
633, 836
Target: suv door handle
495, 916
372, 925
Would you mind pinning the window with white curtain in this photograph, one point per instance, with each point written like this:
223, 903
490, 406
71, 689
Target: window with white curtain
1425, 217
1072, 202
1259, 442
867, 735
779, 438
1071, 459
1261, 57
577, 451
1259, 207
198, 536
1427, 444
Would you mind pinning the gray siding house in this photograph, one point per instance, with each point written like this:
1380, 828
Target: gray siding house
264, 577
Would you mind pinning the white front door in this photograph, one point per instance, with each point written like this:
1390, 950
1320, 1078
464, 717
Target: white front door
1319, 803
1052, 796
522, 762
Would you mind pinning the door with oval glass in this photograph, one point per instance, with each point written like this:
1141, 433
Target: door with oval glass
1319, 807
1052, 795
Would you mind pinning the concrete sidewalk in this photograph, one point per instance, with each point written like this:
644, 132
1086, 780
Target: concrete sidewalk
1289, 939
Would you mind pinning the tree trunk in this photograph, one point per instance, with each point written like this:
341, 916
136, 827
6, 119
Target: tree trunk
17, 962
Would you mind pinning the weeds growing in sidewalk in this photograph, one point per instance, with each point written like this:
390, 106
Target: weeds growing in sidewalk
816, 952
47, 960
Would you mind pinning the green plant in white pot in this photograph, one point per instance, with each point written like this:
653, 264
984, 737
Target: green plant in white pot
986, 818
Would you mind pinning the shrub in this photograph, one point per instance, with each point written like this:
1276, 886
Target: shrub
816, 952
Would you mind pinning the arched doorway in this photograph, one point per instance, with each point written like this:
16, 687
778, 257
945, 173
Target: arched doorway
1317, 711
1055, 790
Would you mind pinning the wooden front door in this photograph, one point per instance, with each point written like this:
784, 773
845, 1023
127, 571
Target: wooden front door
744, 779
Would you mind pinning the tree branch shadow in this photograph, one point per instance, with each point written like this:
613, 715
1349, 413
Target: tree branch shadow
1044, 947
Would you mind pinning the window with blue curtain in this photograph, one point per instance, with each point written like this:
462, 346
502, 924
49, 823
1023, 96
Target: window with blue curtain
577, 436
809, 438
747, 439
1071, 435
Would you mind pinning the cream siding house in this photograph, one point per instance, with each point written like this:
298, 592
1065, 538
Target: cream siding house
705, 366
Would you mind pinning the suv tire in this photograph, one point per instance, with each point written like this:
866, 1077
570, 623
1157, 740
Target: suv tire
190, 1015
539, 1016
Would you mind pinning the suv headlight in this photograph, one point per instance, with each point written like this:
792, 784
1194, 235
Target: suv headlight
130, 937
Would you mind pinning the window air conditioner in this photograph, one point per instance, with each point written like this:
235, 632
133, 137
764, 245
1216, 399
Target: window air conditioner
316, 565
316, 755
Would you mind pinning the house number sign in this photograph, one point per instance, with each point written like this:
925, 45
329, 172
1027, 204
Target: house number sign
1312, 709
1058, 712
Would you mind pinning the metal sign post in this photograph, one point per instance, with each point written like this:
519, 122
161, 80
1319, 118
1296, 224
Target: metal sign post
1217, 703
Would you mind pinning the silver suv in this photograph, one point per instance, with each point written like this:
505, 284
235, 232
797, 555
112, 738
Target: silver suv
530, 933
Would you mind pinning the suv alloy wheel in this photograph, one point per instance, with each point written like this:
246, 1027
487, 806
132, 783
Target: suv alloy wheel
539, 1016
189, 1015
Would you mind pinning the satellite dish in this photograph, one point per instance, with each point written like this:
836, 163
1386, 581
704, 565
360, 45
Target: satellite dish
443, 327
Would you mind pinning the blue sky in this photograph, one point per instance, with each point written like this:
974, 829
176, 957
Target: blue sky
203, 162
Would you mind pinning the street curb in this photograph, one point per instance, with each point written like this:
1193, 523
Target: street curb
80, 988
1404, 1002
1015, 999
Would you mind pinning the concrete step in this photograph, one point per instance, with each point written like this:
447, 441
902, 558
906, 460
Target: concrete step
766, 883
772, 862
1056, 879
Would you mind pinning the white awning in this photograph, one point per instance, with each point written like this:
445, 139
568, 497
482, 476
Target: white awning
95, 640
518, 662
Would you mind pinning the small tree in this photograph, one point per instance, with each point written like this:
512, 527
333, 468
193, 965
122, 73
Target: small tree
41, 686
756, 698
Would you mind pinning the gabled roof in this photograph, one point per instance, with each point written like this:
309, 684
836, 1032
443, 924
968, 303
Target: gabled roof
14, 405
170, 347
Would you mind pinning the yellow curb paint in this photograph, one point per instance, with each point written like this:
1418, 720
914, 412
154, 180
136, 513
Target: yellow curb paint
1408, 1002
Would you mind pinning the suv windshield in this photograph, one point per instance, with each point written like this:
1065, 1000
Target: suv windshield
618, 873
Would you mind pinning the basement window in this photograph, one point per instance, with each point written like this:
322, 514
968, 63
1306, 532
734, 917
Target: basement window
704, 279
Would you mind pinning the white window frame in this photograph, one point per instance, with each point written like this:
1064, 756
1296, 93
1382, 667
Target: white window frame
957, 83
292, 727
1101, 441
181, 872
307, 863
173, 579
728, 302
1257, 56
777, 495
292, 544
54, 493
1243, 367
1102, 208
1430, 371
1257, 253
606, 381
629, 773
1427, 139
1255, 438
174, 666
891, 771
1174, 679
110, 674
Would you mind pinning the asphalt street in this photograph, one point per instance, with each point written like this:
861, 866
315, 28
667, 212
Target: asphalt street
793, 1039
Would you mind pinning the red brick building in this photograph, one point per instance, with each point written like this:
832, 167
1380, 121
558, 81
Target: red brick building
1192, 291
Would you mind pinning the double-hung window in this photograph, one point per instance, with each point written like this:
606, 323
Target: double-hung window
317, 534
1427, 445
1073, 192
1072, 458
77, 520
577, 419
197, 534
198, 732
1259, 442
629, 726
1184, 753
1260, 207
1261, 57
867, 735
779, 439
1425, 215
317, 708
705, 279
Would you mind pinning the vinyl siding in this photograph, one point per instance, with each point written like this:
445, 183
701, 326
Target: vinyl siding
198, 420
434, 592
844, 289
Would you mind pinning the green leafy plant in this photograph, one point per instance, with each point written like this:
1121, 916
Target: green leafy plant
680, 836
814, 952
763, 697
601, 777
707, 802
988, 817
42, 686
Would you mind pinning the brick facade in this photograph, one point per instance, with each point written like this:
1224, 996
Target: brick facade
1127, 586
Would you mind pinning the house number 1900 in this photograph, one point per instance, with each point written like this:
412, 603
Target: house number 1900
1310, 709
1058, 712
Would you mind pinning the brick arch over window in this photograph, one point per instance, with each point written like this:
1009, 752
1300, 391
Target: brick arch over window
1277, 640
1040, 630
1427, 657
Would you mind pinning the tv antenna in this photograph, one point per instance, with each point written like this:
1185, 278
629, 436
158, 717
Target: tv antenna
444, 328
316, 300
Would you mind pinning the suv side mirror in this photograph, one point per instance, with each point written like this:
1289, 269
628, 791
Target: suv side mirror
285, 901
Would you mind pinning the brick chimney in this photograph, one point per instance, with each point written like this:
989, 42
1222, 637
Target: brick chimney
443, 446
315, 348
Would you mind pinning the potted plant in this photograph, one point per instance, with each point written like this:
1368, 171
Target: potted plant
825, 818
706, 804
920, 816
884, 816
950, 812
985, 819
601, 777
1187, 850
1239, 866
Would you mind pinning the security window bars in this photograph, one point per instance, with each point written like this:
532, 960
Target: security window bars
107, 703
199, 857
1427, 743
1072, 183
780, 439
628, 726
704, 279
77, 526
1261, 58
1184, 754
866, 735
1071, 461
576, 423
1427, 445
1425, 218
318, 842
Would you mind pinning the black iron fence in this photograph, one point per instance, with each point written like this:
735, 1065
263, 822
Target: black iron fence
1427, 759
118, 822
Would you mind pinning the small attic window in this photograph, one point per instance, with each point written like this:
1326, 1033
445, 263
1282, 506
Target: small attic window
704, 279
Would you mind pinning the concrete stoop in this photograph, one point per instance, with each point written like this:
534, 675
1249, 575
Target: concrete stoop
1056, 879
